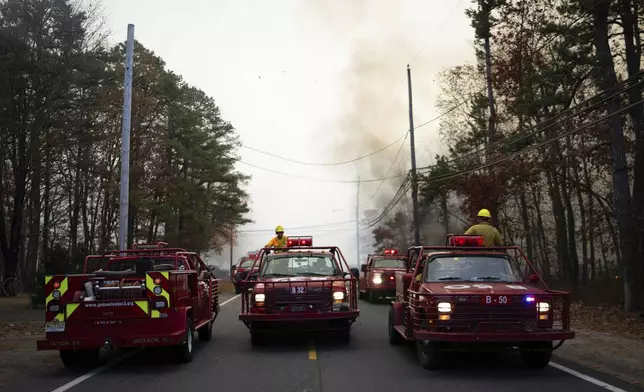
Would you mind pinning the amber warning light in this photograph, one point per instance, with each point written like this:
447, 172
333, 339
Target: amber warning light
466, 240
299, 241
391, 251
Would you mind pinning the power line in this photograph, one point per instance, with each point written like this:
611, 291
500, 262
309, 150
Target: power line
320, 179
405, 186
539, 128
390, 167
328, 163
296, 228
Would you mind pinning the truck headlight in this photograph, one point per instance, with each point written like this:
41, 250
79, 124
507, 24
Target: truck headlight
260, 297
377, 279
543, 307
338, 295
444, 307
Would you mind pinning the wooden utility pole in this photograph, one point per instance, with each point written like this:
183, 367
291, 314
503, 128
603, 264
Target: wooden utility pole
414, 175
125, 139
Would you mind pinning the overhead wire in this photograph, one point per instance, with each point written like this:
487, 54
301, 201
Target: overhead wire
404, 188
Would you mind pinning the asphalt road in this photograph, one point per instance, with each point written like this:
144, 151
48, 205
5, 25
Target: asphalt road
369, 364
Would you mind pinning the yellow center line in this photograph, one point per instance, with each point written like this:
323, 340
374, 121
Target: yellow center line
313, 355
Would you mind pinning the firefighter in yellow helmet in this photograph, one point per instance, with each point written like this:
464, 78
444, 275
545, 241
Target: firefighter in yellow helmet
491, 236
279, 241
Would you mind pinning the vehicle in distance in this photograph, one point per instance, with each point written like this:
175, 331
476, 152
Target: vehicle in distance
378, 277
466, 296
300, 288
243, 267
150, 295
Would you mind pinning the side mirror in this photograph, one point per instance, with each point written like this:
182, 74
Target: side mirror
355, 272
533, 278
363, 268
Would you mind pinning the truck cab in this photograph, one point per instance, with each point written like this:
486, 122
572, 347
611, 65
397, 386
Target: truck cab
377, 278
243, 268
301, 288
149, 295
464, 296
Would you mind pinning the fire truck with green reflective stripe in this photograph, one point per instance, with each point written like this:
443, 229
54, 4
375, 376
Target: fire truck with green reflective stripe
150, 295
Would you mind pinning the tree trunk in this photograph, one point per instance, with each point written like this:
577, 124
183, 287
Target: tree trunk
607, 79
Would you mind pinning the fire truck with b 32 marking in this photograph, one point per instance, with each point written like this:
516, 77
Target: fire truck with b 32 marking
464, 296
146, 296
300, 288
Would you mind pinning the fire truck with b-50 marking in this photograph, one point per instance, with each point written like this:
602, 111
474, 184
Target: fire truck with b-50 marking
465, 296
146, 296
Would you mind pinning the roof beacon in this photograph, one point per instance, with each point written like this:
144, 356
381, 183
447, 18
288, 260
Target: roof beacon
466, 240
299, 241
391, 251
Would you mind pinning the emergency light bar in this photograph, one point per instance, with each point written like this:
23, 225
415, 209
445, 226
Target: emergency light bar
466, 240
158, 245
299, 241
391, 251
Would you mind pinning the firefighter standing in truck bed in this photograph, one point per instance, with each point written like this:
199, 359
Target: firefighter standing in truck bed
491, 236
279, 241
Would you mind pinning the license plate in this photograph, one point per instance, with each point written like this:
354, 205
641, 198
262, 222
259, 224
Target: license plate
298, 289
297, 308
55, 326
495, 300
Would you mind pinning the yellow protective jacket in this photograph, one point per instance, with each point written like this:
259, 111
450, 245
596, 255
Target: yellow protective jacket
276, 242
491, 236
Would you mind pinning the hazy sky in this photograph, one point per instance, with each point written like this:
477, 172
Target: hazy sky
314, 81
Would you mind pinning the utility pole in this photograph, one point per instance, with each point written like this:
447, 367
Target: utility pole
125, 139
232, 242
358, 223
414, 175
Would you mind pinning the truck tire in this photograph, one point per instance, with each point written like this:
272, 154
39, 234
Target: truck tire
80, 359
373, 297
257, 339
428, 356
205, 332
394, 337
184, 349
539, 357
344, 336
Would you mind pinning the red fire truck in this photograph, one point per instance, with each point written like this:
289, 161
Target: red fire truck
467, 296
300, 288
150, 295
243, 268
378, 274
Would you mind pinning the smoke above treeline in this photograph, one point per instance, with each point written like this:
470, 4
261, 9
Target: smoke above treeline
373, 98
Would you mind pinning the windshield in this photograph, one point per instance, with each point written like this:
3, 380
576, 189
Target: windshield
306, 265
246, 263
471, 268
158, 263
389, 263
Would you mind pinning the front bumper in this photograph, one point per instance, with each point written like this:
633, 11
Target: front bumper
151, 340
495, 337
298, 317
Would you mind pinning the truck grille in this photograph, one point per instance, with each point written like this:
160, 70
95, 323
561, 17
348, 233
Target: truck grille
314, 299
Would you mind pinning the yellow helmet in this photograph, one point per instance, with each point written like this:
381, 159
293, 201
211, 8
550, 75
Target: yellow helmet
484, 213
279, 228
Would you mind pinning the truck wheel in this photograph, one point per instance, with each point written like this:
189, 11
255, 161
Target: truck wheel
394, 337
373, 297
184, 350
539, 357
257, 339
80, 359
428, 356
344, 336
205, 332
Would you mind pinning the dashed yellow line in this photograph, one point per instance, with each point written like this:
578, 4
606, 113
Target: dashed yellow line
313, 355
